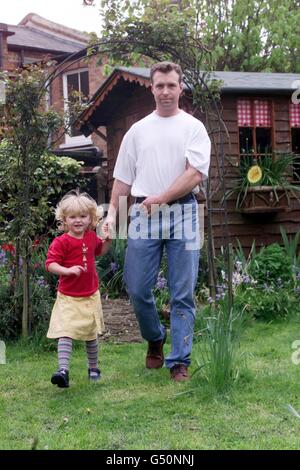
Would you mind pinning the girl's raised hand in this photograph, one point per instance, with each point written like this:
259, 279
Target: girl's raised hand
77, 270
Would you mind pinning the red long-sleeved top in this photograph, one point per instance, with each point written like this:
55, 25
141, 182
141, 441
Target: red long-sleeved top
69, 251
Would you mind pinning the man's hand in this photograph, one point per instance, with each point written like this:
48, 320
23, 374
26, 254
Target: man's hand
151, 204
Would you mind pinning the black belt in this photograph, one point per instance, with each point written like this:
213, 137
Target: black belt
187, 198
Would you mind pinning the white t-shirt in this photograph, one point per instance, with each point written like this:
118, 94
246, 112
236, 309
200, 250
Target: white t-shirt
155, 150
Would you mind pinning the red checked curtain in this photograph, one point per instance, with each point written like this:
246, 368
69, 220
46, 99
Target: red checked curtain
295, 134
294, 115
254, 113
262, 113
244, 111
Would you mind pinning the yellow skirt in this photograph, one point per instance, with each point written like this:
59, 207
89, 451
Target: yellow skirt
76, 317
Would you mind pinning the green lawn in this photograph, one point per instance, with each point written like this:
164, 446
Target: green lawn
134, 408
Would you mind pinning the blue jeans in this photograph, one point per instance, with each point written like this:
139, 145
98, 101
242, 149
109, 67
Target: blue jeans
148, 237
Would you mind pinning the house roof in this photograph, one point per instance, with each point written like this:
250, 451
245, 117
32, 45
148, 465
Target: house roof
43, 24
31, 38
38, 33
233, 82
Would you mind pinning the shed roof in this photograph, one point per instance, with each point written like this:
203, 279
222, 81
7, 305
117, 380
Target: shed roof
239, 81
110, 91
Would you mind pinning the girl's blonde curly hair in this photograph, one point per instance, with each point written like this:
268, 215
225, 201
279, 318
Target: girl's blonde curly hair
75, 202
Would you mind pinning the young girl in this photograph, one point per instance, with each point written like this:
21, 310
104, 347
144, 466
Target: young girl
77, 312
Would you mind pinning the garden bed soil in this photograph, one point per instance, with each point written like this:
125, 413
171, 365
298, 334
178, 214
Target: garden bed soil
121, 325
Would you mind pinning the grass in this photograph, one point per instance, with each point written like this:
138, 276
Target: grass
135, 408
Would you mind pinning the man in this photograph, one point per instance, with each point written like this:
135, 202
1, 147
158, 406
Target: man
162, 159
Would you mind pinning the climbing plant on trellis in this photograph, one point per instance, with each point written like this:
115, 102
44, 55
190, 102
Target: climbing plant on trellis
168, 38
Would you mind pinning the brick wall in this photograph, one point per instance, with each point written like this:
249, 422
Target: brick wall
13, 58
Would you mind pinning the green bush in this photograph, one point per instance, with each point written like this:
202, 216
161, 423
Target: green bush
38, 259
9, 323
271, 266
267, 303
41, 304
42, 295
52, 177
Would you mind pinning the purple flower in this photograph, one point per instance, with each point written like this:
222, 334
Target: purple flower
114, 267
298, 276
237, 278
210, 300
220, 289
297, 290
2, 257
161, 282
41, 282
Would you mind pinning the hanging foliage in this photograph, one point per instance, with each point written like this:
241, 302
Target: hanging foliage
26, 172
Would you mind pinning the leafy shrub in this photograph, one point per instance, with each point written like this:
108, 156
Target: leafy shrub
271, 266
41, 303
42, 294
41, 306
9, 323
52, 177
267, 303
38, 259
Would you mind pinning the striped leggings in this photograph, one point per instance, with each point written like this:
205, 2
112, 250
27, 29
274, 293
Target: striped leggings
64, 350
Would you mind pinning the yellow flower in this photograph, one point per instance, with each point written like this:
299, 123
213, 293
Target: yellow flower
254, 174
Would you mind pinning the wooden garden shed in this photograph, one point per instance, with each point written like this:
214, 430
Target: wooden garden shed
262, 116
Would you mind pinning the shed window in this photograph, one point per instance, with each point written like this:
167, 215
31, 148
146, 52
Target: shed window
296, 140
295, 136
255, 126
295, 127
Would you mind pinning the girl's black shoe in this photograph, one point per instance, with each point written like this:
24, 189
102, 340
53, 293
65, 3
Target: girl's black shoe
94, 374
61, 378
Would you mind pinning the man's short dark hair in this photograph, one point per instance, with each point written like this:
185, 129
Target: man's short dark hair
165, 67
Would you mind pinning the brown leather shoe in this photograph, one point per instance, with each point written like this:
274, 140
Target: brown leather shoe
179, 373
155, 354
